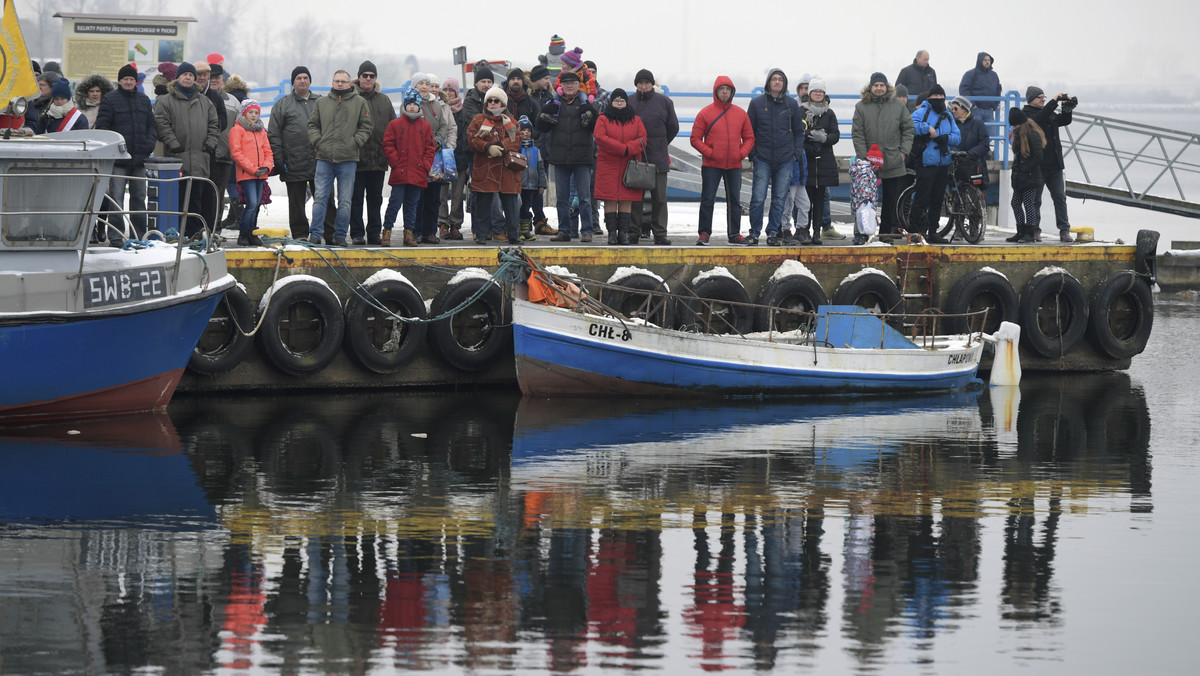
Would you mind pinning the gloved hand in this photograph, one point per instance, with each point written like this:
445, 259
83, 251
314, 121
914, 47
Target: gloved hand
818, 136
262, 171
546, 119
588, 118
942, 140
495, 151
552, 108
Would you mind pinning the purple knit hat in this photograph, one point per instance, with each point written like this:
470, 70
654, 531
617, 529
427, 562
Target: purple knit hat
168, 70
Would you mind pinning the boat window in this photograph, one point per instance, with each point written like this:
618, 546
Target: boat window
46, 204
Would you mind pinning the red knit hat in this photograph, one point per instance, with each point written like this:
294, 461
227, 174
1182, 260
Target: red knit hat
875, 155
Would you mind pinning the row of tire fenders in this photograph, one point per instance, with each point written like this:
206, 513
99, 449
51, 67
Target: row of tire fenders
304, 325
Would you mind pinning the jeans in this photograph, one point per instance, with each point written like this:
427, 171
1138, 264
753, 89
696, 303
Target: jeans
327, 173
710, 178
779, 177
405, 195
297, 196
582, 173
509, 202
137, 195
1056, 183
252, 190
369, 185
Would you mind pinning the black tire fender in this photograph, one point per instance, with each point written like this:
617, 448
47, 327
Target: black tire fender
1053, 313
477, 336
374, 339
714, 316
874, 291
978, 290
223, 344
1121, 314
302, 328
791, 292
628, 303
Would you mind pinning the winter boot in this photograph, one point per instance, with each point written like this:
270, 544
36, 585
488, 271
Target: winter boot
386, 239
610, 223
235, 216
526, 230
625, 229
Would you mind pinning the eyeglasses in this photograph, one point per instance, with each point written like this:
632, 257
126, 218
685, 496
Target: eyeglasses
342, 82
370, 75
494, 100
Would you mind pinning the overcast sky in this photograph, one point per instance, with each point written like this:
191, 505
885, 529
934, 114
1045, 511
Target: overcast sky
1032, 40
1142, 43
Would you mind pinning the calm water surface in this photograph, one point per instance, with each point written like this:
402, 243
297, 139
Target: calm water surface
1035, 532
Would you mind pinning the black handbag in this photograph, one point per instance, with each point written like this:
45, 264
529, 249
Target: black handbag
640, 175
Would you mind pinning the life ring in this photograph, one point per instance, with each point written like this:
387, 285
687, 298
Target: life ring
637, 303
377, 341
706, 306
223, 344
1121, 314
476, 336
1053, 313
791, 292
302, 328
874, 291
978, 290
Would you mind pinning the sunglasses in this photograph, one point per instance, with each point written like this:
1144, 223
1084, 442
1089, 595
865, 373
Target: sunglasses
494, 100
370, 75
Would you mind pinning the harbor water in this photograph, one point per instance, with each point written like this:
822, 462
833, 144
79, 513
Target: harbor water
1043, 530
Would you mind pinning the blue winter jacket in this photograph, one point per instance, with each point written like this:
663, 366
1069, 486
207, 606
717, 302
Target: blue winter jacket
981, 82
778, 125
936, 154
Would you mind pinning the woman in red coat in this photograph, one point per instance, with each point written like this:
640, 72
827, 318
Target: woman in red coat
492, 134
251, 153
620, 137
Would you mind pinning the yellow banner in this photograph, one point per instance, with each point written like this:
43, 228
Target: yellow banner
16, 73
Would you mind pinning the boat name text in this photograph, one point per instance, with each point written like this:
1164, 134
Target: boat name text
963, 358
124, 286
609, 332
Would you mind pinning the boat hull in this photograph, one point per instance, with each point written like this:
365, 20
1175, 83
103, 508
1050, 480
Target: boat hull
564, 353
92, 366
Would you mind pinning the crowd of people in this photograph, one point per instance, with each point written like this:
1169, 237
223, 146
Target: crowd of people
494, 150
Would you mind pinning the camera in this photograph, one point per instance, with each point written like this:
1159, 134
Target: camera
1066, 98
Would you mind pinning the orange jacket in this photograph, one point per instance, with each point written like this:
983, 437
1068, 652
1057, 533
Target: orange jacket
250, 150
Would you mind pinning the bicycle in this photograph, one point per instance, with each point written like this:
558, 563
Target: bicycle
963, 209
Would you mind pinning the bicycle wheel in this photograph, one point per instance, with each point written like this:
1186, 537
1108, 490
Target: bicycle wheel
904, 205
971, 221
946, 220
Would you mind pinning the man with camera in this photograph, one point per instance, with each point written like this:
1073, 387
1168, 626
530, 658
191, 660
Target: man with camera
1050, 117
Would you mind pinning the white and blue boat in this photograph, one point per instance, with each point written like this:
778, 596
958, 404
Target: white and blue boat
85, 330
588, 350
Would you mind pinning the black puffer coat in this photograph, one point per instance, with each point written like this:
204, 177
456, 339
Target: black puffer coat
822, 165
130, 115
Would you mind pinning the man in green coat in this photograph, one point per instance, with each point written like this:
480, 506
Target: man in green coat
879, 119
339, 126
188, 128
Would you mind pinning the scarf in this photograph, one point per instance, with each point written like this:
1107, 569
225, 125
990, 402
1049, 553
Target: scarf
456, 104
189, 92
58, 111
248, 125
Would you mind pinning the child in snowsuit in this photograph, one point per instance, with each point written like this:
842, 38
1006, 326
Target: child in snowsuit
864, 187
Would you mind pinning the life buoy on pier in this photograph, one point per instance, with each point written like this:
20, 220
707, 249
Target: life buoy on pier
376, 340
1053, 312
223, 344
476, 336
707, 306
637, 302
791, 292
302, 327
1121, 314
978, 290
874, 291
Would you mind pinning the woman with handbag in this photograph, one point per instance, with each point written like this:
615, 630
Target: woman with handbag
620, 137
498, 164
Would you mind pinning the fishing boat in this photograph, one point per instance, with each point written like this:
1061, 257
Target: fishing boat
566, 343
88, 330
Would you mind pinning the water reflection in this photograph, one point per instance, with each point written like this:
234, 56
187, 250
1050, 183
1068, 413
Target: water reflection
485, 532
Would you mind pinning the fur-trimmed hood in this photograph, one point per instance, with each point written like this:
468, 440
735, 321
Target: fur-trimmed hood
95, 79
236, 83
866, 94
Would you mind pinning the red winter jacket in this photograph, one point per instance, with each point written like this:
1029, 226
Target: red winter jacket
618, 143
724, 142
249, 151
408, 146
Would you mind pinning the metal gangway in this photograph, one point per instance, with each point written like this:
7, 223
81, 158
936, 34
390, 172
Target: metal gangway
1133, 164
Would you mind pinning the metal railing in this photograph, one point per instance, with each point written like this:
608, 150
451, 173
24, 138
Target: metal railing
1126, 162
